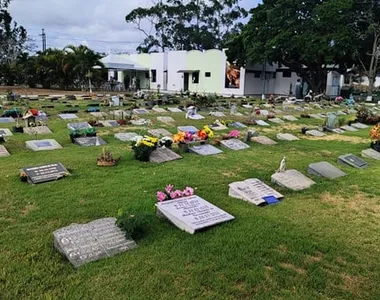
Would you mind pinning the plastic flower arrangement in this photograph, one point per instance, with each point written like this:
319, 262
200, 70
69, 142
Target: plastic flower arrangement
339, 99
234, 134
144, 146
165, 142
374, 133
170, 193
205, 133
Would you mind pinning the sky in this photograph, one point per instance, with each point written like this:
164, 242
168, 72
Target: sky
99, 24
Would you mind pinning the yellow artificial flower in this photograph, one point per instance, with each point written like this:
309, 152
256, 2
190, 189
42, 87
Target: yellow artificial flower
146, 143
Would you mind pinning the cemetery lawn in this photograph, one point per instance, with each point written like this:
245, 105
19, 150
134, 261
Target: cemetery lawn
322, 243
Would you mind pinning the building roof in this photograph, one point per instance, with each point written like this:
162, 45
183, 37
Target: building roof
121, 62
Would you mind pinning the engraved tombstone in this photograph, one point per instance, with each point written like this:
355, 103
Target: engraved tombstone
5, 132
78, 126
359, 125
286, 137
174, 109
353, 161
37, 130
162, 155
292, 179
68, 116
90, 141
159, 109
126, 137
276, 120
140, 111
262, 123
191, 129
325, 169
290, 118
263, 140
205, 150
3, 151
7, 120
349, 128
192, 213
166, 119
45, 173
234, 144
315, 133
41, 145
159, 132
370, 153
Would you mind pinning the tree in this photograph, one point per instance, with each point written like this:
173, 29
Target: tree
186, 24
366, 26
309, 37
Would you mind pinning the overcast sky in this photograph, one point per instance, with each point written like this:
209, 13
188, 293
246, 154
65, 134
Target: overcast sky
100, 24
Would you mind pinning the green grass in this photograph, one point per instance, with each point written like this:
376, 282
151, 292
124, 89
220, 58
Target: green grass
321, 243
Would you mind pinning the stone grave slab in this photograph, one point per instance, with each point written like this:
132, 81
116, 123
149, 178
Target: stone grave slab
193, 213
45, 173
247, 106
277, 111
359, 126
338, 130
323, 115
237, 114
68, 116
37, 130
110, 123
7, 120
264, 112
78, 126
340, 113
290, 118
276, 120
205, 150
187, 129
98, 114
159, 132
316, 116
140, 111
263, 140
262, 123
83, 243
287, 137
166, 119
42, 145
238, 125
218, 127
370, 153
139, 122
3, 151
117, 113
352, 161
316, 133
348, 128
217, 114
126, 137
252, 190
5, 132
174, 110
159, 109
161, 155
292, 179
196, 117
234, 144
90, 141
325, 169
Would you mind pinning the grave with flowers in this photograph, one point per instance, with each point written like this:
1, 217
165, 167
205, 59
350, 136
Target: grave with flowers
188, 211
187, 139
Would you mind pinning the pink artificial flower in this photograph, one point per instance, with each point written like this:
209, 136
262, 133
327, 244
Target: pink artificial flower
169, 188
188, 191
234, 133
161, 196
188, 136
178, 193
173, 195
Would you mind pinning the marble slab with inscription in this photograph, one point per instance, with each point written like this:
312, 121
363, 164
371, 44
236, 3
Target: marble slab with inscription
238, 125
83, 243
191, 129
234, 144
68, 116
338, 130
192, 213
325, 169
45, 173
5, 132
315, 133
37, 130
292, 179
3, 151
348, 128
78, 126
139, 122
126, 136
110, 123
276, 120
42, 145
252, 190
263, 140
90, 141
166, 119
359, 125
140, 111
159, 132
286, 137
353, 161
205, 150
161, 155
262, 123
290, 118
370, 153
159, 109
174, 109
98, 114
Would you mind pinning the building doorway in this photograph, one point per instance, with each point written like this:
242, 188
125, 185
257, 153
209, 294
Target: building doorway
185, 82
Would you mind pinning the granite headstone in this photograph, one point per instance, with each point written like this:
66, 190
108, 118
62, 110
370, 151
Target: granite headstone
45, 173
353, 161
161, 155
370, 153
325, 169
292, 179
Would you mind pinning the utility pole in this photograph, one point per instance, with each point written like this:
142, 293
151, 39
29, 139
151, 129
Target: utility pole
43, 35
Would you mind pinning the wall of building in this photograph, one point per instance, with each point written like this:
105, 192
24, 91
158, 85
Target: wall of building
176, 60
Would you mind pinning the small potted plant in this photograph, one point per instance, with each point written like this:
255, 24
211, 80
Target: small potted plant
106, 159
144, 146
74, 134
133, 225
375, 137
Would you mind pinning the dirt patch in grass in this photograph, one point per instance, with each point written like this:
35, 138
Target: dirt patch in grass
284, 128
339, 138
293, 268
317, 257
28, 208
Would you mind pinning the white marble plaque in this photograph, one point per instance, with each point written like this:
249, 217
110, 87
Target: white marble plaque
286, 137
205, 150
140, 111
78, 126
110, 123
276, 120
37, 130
5, 132
174, 109
68, 116
348, 128
263, 140
359, 125
196, 117
262, 123
238, 125
42, 145
290, 118
83, 243
292, 179
316, 133
138, 122
234, 144
90, 141
159, 109
166, 120
370, 153
7, 120
159, 132
99, 114
192, 213
126, 137
217, 114
353, 161
191, 129
247, 106
3, 151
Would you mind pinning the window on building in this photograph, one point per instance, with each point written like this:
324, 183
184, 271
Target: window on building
208, 74
257, 74
154, 75
146, 75
286, 74
195, 77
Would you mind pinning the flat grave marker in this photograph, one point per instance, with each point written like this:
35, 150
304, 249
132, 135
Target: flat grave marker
90, 141
192, 213
262, 123
348, 128
338, 130
370, 153
205, 150
287, 137
110, 123
247, 106
3, 151
68, 116
140, 111
196, 117
159, 132
217, 114
45, 173
191, 129
5, 132
161, 155
139, 122
159, 109
234, 144
174, 110
37, 130
98, 114
325, 169
83, 243
276, 120
315, 133
290, 118
78, 126
43, 145
238, 125
166, 119
292, 179
359, 125
252, 190
352, 161
126, 136
263, 140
